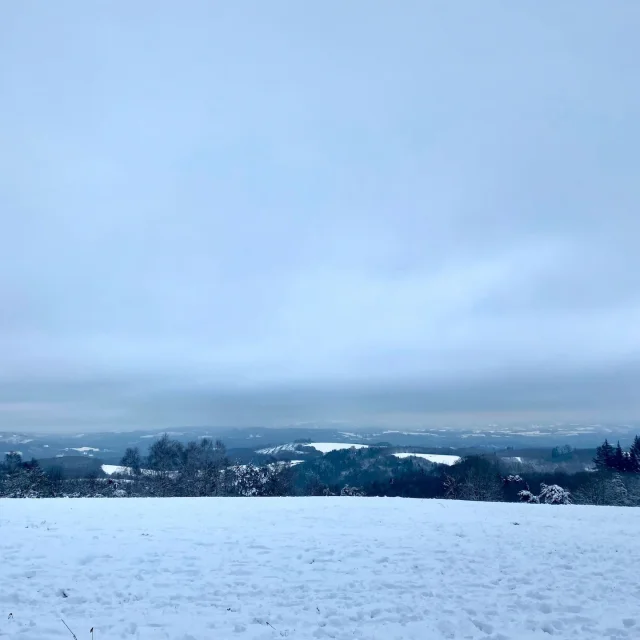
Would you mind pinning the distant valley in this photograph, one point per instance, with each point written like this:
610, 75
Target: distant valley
82, 451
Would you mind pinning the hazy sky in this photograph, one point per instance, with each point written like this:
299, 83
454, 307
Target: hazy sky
264, 212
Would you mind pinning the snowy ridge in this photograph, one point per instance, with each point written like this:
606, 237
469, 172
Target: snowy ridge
15, 439
419, 569
436, 458
282, 448
327, 447
322, 447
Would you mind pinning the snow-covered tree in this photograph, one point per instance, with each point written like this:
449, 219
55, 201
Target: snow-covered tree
617, 491
554, 494
351, 491
526, 496
24, 479
607, 489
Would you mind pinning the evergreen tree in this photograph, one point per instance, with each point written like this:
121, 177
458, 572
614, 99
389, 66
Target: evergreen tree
634, 456
619, 459
605, 454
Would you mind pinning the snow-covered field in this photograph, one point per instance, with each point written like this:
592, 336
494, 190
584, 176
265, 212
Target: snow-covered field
431, 457
322, 447
328, 447
200, 569
110, 469
281, 448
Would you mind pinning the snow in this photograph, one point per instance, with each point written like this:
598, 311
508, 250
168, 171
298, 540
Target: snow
168, 433
263, 568
407, 433
83, 449
298, 447
272, 451
327, 447
437, 458
110, 469
18, 439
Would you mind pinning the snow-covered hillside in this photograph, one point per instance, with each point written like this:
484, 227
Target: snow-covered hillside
322, 447
194, 569
436, 458
328, 447
110, 469
282, 448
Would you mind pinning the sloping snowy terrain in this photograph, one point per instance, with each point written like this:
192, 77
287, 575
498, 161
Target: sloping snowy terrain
110, 469
282, 448
322, 447
437, 458
328, 447
201, 569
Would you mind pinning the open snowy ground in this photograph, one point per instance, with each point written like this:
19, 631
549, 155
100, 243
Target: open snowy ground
431, 457
202, 569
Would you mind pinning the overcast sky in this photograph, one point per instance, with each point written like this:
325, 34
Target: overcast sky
267, 212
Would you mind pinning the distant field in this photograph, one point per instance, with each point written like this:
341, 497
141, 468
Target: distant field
327, 447
437, 458
321, 447
265, 568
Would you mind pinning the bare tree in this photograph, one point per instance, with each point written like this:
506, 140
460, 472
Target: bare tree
474, 478
213, 460
132, 460
165, 460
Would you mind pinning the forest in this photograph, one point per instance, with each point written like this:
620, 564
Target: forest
202, 468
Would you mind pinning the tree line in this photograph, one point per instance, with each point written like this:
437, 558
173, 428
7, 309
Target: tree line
170, 469
617, 459
202, 468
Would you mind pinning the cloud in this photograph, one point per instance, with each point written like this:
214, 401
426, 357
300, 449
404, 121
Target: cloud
218, 201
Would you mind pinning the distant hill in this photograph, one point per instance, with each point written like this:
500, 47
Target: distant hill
247, 444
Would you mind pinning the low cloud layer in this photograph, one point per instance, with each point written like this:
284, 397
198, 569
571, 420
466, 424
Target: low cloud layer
270, 214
